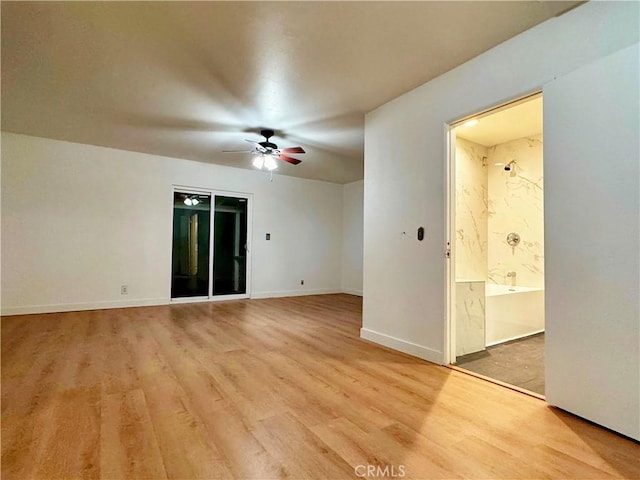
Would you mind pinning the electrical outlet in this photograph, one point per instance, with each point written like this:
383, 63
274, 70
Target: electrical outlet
301, 282
124, 289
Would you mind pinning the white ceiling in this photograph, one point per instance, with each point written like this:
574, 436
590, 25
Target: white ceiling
190, 79
521, 120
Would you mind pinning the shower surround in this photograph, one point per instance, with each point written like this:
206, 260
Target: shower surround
491, 203
515, 201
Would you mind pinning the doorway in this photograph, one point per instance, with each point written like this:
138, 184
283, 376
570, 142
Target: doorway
496, 243
210, 249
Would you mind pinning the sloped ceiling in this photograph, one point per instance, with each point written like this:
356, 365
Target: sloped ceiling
190, 79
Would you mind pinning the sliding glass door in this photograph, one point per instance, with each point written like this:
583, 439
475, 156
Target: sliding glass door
210, 257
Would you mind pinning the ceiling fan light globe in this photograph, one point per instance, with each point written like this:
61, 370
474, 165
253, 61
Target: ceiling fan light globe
270, 163
258, 162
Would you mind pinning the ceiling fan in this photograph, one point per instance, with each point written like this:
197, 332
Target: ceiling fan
267, 152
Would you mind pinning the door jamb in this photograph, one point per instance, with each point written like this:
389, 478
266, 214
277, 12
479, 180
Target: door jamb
448, 352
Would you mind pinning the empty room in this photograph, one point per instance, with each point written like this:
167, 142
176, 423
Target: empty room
237, 237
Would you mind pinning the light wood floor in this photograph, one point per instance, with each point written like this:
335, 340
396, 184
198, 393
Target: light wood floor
277, 388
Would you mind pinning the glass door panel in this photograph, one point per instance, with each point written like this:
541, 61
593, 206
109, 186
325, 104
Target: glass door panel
190, 253
229, 246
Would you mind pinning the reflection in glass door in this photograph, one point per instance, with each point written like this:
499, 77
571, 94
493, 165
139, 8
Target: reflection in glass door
190, 259
230, 246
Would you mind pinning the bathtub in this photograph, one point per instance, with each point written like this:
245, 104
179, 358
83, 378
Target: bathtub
512, 312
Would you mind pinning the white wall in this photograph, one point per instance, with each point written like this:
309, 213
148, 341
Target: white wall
592, 198
352, 219
404, 280
78, 221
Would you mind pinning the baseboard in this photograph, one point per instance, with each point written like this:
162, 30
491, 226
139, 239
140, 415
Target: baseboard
348, 291
144, 302
403, 346
76, 307
295, 293
517, 337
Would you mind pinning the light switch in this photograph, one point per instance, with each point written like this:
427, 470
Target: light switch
268, 236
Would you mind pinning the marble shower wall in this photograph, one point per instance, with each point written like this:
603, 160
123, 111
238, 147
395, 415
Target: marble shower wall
470, 317
471, 211
516, 205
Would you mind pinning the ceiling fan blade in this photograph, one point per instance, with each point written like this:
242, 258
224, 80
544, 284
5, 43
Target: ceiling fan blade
292, 150
237, 151
291, 160
257, 144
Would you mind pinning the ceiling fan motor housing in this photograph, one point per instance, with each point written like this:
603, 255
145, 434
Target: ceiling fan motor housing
267, 133
267, 144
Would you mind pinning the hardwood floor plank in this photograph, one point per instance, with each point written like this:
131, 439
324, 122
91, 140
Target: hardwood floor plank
186, 447
128, 446
314, 401
246, 456
67, 436
267, 389
185, 444
489, 461
365, 393
345, 438
196, 381
303, 453
247, 390
382, 449
329, 396
559, 465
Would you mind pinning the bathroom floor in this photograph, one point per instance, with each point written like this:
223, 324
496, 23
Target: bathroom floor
519, 363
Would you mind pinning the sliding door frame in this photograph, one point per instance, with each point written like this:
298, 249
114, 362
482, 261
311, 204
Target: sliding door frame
210, 297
